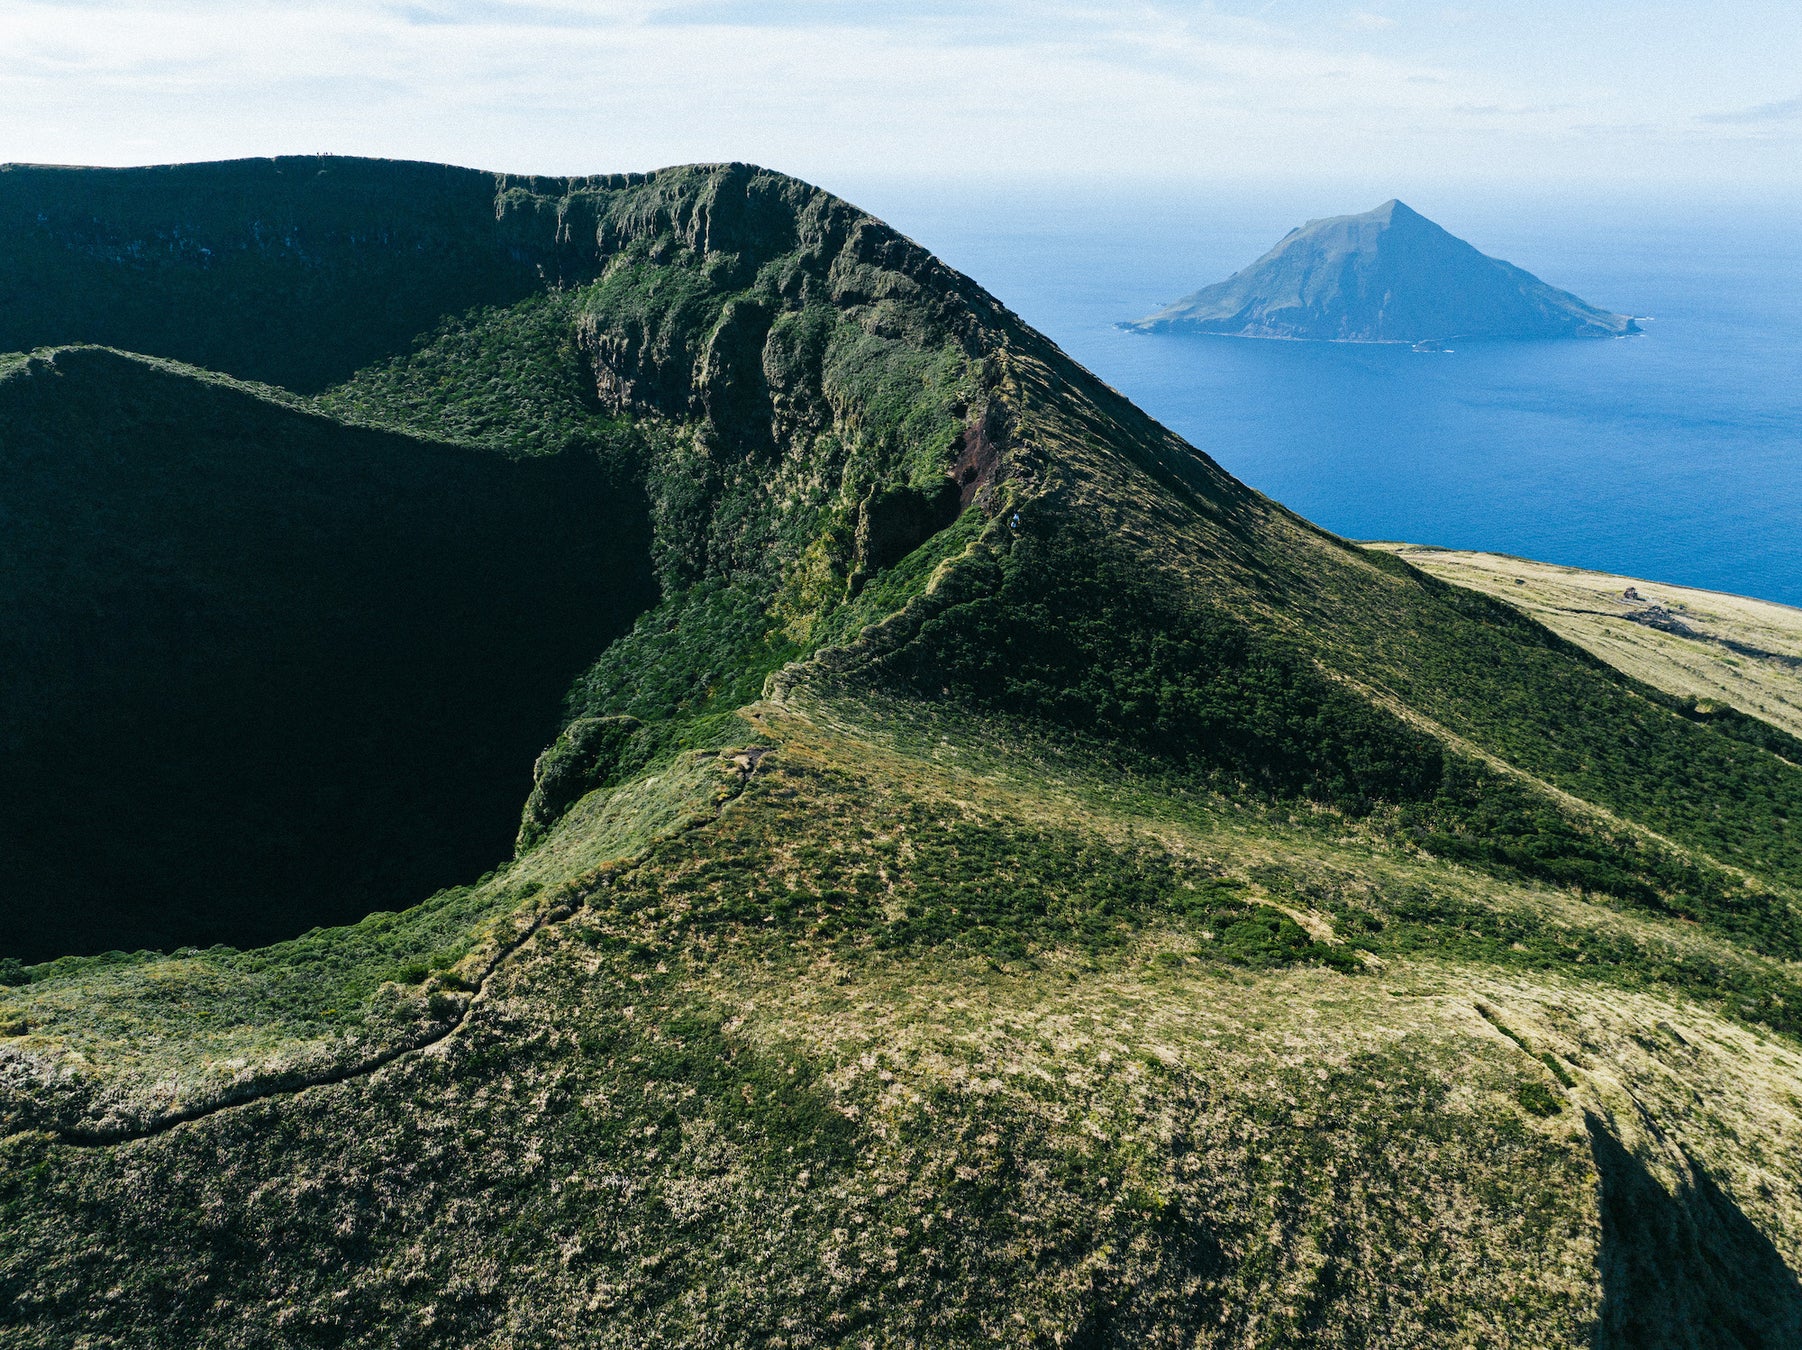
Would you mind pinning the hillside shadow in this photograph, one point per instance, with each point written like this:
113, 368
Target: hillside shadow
260, 671
1689, 1271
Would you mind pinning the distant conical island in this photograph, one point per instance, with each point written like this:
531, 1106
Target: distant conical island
1389, 275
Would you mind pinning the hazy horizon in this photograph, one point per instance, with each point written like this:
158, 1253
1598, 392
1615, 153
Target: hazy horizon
1619, 100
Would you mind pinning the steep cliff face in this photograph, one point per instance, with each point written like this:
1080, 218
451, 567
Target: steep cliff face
1388, 275
293, 271
300, 271
266, 670
1011, 883
738, 386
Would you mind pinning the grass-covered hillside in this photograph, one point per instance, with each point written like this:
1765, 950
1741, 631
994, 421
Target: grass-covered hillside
1010, 883
1703, 645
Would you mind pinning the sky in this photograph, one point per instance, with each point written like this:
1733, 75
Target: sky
1624, 94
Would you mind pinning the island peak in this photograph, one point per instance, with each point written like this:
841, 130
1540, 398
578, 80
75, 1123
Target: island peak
1387, 275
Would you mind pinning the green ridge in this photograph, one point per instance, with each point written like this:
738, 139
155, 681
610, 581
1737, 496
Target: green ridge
1000, 880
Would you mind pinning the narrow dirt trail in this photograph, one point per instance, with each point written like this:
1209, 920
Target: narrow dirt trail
746, 761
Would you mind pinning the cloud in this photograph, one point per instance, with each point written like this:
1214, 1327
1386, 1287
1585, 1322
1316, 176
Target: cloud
821, 13
802, 83
1785, 110
1001, 88
489, 13
1510, 109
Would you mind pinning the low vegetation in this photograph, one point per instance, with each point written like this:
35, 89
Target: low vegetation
1709, 649
997, 881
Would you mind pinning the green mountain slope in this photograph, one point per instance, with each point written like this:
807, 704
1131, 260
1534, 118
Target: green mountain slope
266, 671
1387, 275
296, 271
1012, 884
1702, 645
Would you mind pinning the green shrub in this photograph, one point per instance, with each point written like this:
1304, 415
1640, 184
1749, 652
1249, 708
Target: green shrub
1537, 1099
591, 753
1079, 634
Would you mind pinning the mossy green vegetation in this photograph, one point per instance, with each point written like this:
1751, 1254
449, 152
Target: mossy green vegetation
1002, 881
509, 377
769, 1102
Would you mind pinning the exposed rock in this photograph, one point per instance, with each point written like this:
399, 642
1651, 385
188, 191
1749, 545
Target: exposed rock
978, 462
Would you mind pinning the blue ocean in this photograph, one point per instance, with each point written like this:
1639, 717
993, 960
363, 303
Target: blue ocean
1676, 456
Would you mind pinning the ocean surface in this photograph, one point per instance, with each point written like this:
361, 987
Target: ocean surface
1676, 456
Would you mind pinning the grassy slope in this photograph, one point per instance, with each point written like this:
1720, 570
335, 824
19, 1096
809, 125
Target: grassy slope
1090, 961
745, 1092
1472, 666
1744, 653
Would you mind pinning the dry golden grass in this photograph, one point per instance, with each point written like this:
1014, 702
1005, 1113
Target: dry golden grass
1591, 610
712, 1121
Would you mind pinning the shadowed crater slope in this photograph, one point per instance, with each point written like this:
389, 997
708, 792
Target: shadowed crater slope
265, 670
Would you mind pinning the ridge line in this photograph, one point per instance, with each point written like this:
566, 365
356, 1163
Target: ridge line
558, 913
